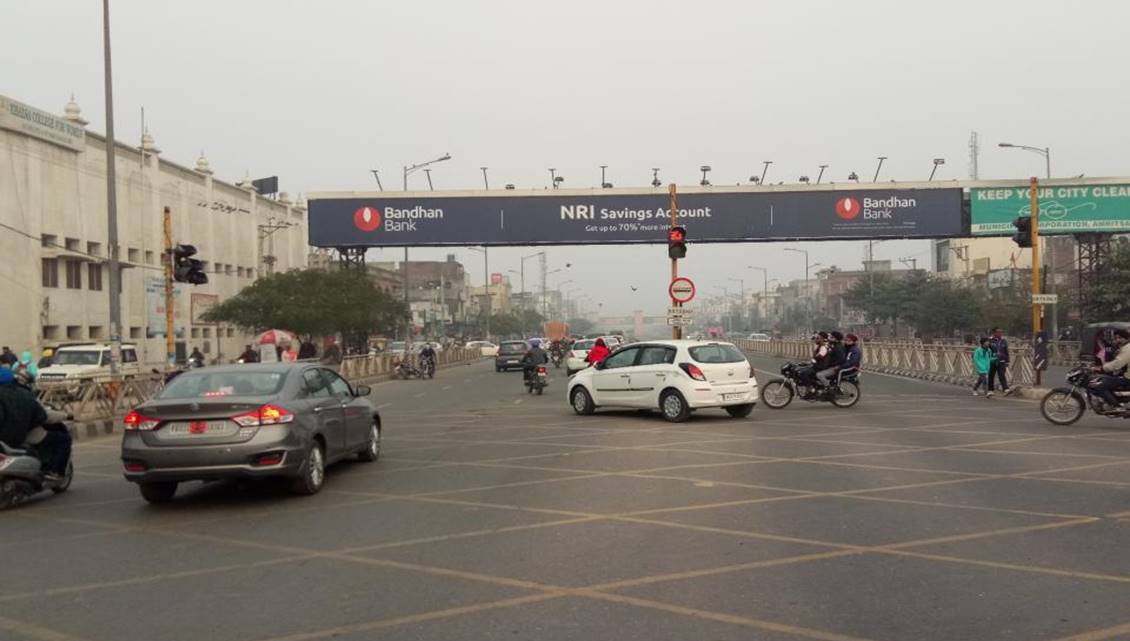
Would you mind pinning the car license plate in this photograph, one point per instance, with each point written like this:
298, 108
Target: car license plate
512, 362
200, 428
733, 397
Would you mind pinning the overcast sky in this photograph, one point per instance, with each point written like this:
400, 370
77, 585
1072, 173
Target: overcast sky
320, 92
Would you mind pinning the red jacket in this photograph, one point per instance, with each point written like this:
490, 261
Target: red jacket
596, 354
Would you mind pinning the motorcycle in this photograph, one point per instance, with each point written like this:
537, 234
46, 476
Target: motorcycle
21, 470
1065, 405
778, 393
537, 380
405, 369
557, 356
427, 368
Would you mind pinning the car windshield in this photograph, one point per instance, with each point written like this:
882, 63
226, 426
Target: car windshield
78, 357
213, 384
583, 345
513, 348
716, 353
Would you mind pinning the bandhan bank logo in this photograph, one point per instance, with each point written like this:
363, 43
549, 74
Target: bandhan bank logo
367, 219
848, 208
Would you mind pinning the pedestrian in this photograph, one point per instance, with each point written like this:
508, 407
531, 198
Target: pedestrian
982, 361
331, 355
998, 366
307, 350
7, 358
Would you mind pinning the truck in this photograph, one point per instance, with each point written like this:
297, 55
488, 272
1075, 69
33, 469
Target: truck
555, 330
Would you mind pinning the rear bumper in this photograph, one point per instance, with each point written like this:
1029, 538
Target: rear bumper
503, 363
717, 396
214, 462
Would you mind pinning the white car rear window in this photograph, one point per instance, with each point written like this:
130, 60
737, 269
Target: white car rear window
716, 353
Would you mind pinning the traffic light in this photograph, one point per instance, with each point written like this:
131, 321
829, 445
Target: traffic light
1023, 235
187, 269
677, 242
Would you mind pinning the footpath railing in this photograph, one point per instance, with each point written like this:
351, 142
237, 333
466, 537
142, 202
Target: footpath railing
941, 363
99, 398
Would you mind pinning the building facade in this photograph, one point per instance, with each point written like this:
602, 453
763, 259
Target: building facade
54, 237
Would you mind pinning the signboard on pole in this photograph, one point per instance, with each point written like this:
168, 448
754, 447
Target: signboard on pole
1064, 209
200, 303
155, 309
1045, 299
566, 217
681, 289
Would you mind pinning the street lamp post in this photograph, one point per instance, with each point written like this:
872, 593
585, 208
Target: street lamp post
764, 171
821, 174
486, 185
764, 284
741, 305
1046, 152
408, 169
111, 204
937, 162
522, 275
877, 168
807, 294
486, 280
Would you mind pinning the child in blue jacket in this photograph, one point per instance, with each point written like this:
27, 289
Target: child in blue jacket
982, 358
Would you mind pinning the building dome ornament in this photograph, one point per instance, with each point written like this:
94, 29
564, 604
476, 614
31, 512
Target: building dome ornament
148, 144
202, 165
73, 112
246, 182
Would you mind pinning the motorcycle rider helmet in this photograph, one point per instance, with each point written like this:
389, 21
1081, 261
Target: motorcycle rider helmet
534, 343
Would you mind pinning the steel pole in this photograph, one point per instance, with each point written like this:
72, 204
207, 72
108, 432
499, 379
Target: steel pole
170, 341
486, 276
1034, 187
676, 330
115, 280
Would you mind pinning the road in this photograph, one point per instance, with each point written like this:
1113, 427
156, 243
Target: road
921, 514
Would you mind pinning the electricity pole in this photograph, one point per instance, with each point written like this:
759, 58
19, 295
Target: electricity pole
112, 206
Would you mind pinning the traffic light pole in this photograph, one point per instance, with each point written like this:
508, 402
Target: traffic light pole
1034, 188
676, 330
170, 344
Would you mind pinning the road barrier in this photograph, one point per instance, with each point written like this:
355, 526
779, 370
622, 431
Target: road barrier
375, 366
940, 363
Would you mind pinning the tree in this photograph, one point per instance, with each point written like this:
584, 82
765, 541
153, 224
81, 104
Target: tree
505, 325
312, 303
1109, 300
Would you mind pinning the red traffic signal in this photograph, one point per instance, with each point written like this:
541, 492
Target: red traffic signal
677, 242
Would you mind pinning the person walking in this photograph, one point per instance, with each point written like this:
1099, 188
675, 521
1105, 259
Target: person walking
998, 367
982, 361
7, 357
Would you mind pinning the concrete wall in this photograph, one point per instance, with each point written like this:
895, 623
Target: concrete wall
49, 191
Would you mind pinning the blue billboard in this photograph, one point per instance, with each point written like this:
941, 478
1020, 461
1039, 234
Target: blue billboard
495, 218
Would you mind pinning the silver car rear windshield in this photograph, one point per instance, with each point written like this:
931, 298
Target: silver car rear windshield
219, 384
716, 354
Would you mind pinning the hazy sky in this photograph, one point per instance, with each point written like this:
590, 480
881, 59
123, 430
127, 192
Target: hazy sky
320, 92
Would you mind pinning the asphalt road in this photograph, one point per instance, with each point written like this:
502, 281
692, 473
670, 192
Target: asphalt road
920, 514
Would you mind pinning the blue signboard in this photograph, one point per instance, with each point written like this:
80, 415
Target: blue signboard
390, 220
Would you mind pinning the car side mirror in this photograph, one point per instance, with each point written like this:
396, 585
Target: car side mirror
362, 390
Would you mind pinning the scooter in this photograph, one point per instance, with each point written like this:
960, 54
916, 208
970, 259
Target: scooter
21, 471
537, 380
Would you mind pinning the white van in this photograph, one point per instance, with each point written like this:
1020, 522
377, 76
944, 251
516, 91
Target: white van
91, 360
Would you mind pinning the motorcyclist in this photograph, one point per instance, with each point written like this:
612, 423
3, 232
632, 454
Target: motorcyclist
807, 375
835, 359
196, 358
534, 356
249, 355
598, 352
1115, 370
853, 354
428, 358
20, 412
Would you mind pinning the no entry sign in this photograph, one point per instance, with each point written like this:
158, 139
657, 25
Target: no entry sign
681, 290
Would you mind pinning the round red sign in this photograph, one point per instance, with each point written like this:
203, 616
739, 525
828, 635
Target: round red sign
681, 289
367, 218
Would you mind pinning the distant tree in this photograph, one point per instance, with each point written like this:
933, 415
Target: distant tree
1109, 300
944, 307
312, 303
505, 325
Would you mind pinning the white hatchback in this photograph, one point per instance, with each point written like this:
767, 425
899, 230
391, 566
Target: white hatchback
675, 377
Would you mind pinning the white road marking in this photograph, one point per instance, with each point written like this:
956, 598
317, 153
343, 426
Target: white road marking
383, 405
420, 395
446, 387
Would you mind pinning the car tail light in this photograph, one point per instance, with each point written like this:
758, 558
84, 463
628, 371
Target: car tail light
693, 371
134, 466
270, 458
541, 370
135, 420
266, 415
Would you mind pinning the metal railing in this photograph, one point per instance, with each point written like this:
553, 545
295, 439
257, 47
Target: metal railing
375, 365
941, 363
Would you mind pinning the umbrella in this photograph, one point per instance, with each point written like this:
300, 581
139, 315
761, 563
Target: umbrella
276, 337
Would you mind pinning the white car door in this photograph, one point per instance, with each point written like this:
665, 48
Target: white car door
650, 373
612, 381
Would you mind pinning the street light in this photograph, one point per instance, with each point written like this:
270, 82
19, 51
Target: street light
486, 185
705, 169
821, 174
486, 277
377, 176
877, 168
807, 267
604, 184
764, 170
1046, 152
408, 169
655, 182
937, 162
741, 305
764, 279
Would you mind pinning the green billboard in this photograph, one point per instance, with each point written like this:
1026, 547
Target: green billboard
1066, 209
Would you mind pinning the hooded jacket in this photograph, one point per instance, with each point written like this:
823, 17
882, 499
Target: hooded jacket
598, 352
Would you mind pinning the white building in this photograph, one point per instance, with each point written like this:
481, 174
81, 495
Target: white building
53, 237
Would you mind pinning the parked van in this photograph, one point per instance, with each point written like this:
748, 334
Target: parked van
91, 360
